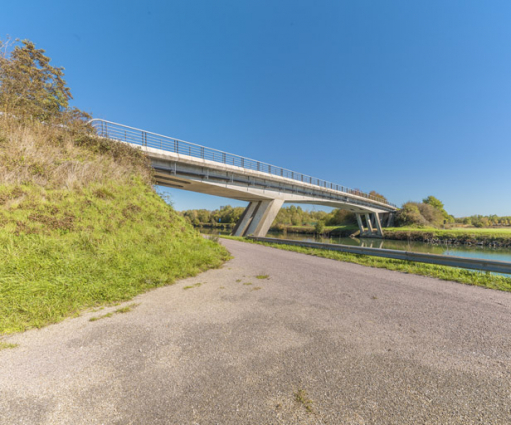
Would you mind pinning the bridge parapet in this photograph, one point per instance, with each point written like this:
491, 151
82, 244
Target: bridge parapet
149, 139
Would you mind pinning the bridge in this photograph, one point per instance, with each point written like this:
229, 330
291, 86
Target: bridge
188, 166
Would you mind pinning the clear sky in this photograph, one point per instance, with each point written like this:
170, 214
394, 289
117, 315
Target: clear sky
408, 98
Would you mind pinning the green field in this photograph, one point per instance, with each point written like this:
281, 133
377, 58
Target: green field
462, 234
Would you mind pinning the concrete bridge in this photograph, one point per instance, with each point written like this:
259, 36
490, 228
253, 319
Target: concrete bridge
266, 187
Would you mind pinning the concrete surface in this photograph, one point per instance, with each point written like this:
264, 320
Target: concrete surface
318, 342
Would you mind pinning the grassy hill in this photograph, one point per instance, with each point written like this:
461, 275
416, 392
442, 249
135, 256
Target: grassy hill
81, 226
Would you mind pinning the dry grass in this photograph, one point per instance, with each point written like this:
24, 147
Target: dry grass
57, 158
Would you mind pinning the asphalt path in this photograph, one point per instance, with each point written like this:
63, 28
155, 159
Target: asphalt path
315, 342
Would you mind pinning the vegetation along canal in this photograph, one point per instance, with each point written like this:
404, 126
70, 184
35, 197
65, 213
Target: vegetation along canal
474, 251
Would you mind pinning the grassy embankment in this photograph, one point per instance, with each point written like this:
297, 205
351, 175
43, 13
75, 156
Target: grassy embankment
440, 272
501, 236
81, 226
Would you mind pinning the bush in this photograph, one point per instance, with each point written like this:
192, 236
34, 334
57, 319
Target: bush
320, 227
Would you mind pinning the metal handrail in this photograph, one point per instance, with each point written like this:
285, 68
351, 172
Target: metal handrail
420, 257
136, 136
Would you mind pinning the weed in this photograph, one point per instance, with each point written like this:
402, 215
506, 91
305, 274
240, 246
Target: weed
302, 398
374, 297
256, 288
121, 310
6, 345
247, 283
193, 286
127, 309
238, 280
214, 238
262, 276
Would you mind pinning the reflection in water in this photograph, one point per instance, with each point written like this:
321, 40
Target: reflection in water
498, 254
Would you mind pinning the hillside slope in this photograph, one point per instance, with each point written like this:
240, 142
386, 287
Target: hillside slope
81, 226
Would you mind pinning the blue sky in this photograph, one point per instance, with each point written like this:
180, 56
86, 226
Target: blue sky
406, 98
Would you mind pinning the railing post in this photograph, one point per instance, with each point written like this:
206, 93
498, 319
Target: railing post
202, 152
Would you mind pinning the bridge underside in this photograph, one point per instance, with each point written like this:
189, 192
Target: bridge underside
265, 198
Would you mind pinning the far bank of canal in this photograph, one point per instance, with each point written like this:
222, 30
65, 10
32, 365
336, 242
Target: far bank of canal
474, 251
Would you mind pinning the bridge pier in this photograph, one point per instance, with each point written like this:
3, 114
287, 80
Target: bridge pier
257, 218
245, 219
371, 218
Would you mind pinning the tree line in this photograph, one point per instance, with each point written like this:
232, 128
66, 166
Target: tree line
287, 216
428, 213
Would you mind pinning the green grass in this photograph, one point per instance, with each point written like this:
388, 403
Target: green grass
5, 345
64, 251
440, 272
196, 285
475, 234
121, 310
262, 276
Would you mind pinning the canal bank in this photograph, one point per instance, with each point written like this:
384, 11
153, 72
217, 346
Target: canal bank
489, 252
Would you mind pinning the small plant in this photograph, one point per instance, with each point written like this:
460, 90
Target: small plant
214, 238
118, 311
238, 280
247, 283
126, 309
262, 276
256, 288
193, 286
6, 345
302, 398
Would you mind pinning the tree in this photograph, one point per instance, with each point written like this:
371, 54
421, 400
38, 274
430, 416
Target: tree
437, 204
377, 196
29, 85
320, 227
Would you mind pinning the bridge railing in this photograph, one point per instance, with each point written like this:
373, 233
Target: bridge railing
149, 139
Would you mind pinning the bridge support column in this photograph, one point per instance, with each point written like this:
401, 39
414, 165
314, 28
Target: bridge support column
264, 215
378, 224
369, 225
245, 219
360, 225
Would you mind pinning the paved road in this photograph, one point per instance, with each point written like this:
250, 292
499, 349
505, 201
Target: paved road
318, 342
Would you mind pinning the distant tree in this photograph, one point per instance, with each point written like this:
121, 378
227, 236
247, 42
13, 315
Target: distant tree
377, 196
320, 227
410, 215
436, 203
339, 217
